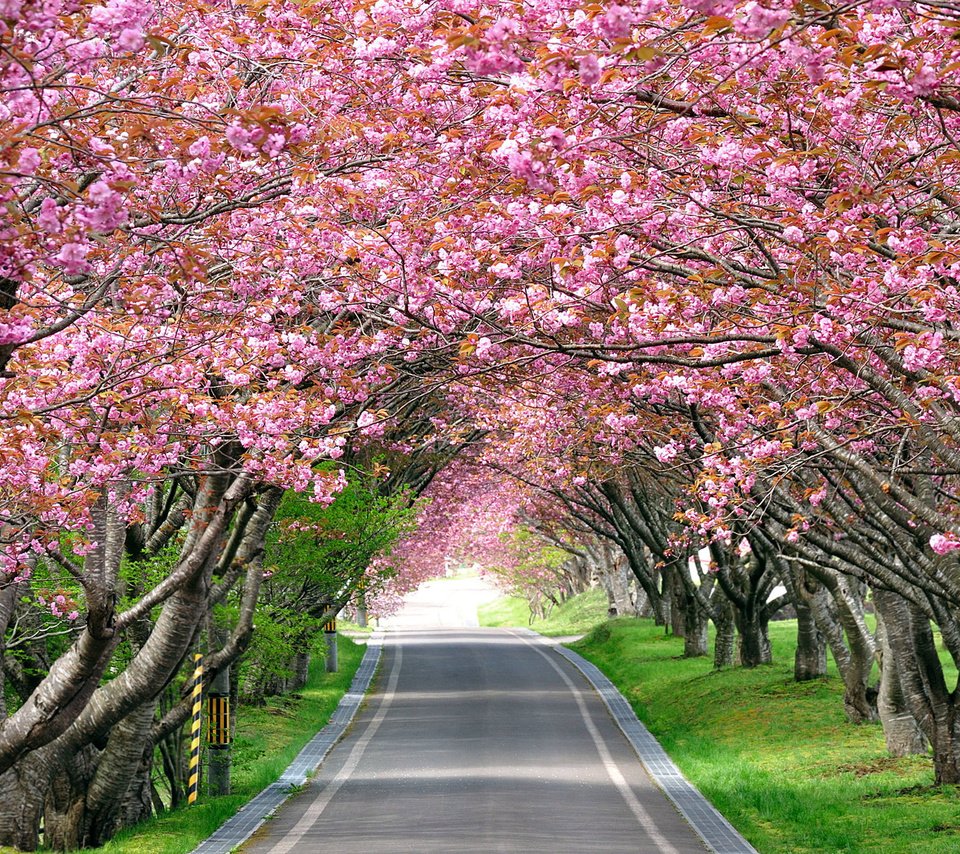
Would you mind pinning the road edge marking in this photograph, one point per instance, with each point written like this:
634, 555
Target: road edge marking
316, 807
646, 821
717, 833
247, 820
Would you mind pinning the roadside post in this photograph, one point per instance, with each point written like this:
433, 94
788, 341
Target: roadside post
219, 741
193, 779
330, 636
362, 603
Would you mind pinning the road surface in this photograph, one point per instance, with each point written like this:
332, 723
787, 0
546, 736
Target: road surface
443, 603
478, 740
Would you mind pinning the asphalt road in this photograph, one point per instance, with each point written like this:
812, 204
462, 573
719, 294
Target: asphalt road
478, 740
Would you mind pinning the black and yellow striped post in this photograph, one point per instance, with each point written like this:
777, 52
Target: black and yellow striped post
193, 780
330, 636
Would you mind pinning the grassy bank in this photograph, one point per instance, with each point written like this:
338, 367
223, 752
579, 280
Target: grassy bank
777, 757
576, 616
267, 740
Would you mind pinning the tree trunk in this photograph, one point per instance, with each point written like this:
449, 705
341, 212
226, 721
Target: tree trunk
696, 610
649, 582
70, 697
624, 587
696, 623
642, 606
674, 592
922, 681
106, 790
747, 581
725, 642
811, 657
612, 610
301, 668
614, 576
107, 705
900, 728
754, 638
23, 791
841, 616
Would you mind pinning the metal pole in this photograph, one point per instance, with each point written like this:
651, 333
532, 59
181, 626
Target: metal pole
193, 781
362, 603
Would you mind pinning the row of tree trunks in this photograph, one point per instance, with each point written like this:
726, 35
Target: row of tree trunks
824, 576
94, 777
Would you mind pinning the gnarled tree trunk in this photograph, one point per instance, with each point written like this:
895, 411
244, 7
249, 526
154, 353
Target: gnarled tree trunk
23, 793
810, 661
933, 706
100, 800
107, 706
753, 638
836, 605
901, 731
724, 644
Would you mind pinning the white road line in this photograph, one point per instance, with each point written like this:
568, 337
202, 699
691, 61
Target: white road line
316, 808
640, 812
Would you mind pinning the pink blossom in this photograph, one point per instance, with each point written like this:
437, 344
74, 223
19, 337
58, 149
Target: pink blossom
666, 453
124, 20
48, 219
589, 70
28, 161
131, 38
944, 543
14, 329
11, 9
757, 20
615, 22
72, 257
240, 138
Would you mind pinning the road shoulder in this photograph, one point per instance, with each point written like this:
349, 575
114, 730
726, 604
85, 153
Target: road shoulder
717, 833
254, 813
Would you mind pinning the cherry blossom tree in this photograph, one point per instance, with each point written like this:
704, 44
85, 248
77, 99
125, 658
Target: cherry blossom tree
744, 209
689, 264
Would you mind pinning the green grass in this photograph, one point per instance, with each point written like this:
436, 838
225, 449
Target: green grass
355, 628
577, 616
777, 757
266, 742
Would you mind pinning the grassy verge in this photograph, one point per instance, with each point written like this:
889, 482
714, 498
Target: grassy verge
267, 740
577, 616
351, 628
777, 757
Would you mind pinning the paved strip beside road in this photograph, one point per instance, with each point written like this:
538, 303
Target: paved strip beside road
240, 827
720, 836
479, 740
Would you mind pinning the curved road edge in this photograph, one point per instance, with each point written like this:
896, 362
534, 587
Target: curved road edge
256, 811
719, 835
